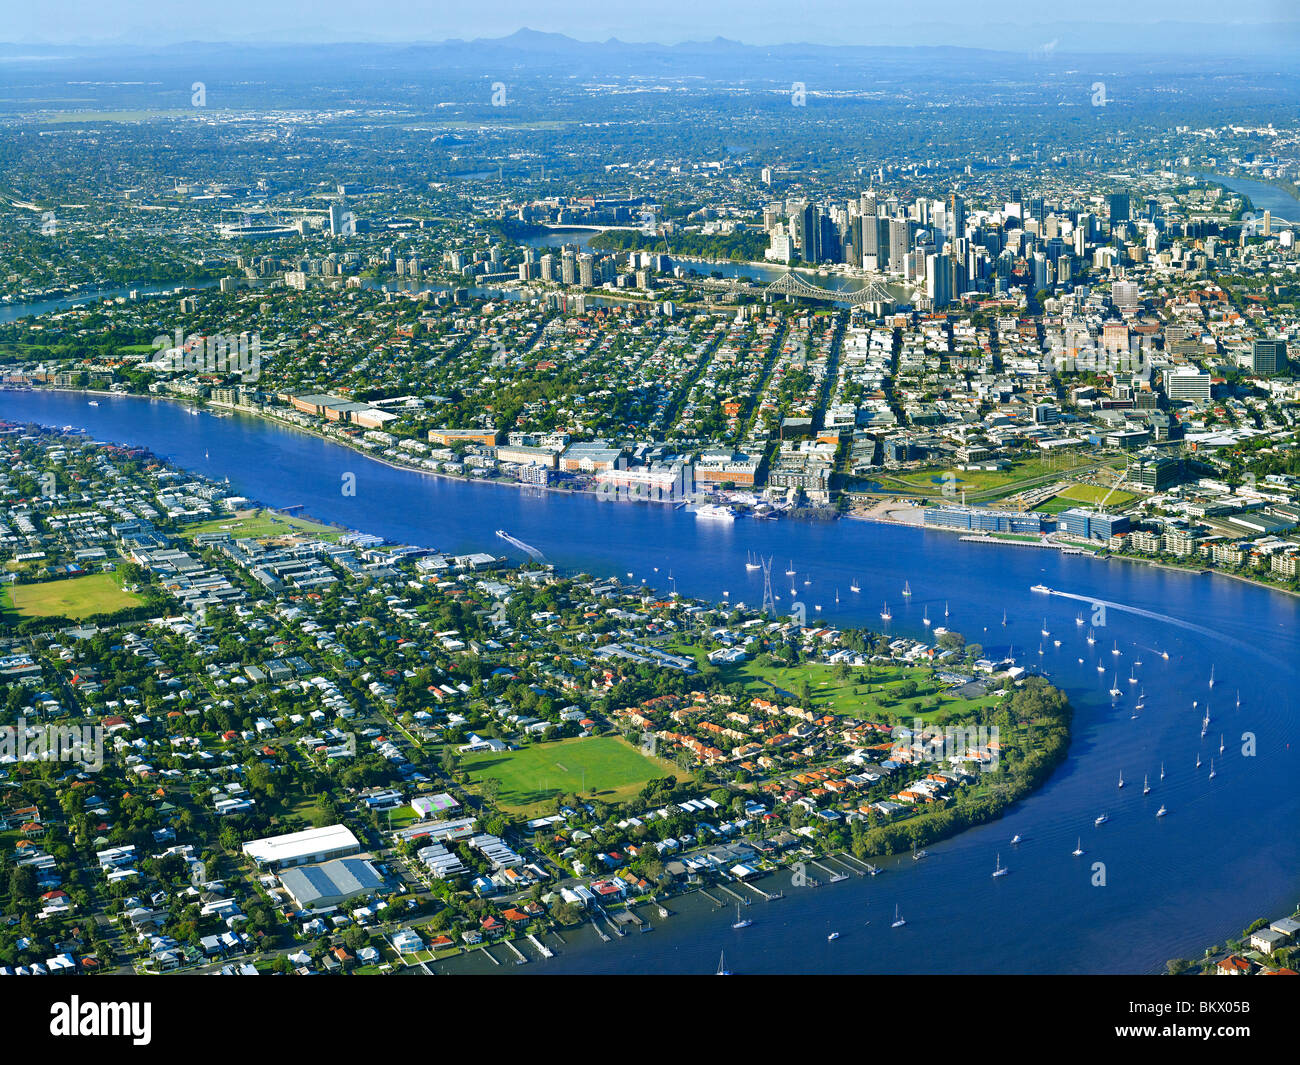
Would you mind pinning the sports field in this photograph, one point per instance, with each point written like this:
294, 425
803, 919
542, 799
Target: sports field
77, 597
610, 768
1092, 495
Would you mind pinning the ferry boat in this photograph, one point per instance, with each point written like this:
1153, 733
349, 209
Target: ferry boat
713, 512
1000, 870
740, 922
898, 918
1041, 589
1162, 811
1078, 847
1102, 819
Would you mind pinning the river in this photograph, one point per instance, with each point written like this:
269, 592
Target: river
1263, 197
1226, 854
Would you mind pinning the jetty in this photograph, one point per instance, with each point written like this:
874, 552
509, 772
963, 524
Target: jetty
542, 948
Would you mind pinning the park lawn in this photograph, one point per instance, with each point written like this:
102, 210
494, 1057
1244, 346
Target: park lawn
76, 598
261, 524
531, 776
849, 697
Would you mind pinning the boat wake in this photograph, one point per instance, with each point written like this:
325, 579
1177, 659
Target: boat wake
1140, 612
528, 549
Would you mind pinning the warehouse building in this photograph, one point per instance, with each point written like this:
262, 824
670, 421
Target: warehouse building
303, 848
315, 887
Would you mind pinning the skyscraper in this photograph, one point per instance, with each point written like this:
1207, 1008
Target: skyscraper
1267, 357
900, 243
336, 219
956, 216
805, 227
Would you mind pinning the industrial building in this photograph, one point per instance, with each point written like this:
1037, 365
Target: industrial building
303, 848
315, 887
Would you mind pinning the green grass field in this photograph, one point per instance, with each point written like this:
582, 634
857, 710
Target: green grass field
77, 597
871, 699
262, 524
610, 768
930, 480
1092, 495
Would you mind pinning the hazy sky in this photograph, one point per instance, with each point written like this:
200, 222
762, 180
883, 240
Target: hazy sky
666, 21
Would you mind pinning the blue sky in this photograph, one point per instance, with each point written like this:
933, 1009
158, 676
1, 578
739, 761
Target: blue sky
667, 21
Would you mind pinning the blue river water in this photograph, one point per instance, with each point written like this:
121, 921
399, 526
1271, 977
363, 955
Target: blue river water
1226, 854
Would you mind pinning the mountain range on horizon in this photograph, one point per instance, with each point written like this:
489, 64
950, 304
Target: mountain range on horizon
1043, 40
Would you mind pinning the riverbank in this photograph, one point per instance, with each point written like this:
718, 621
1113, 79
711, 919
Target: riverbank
871, 514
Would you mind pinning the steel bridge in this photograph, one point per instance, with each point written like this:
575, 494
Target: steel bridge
792, 285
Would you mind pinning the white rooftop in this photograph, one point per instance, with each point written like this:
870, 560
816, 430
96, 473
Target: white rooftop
296, 845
